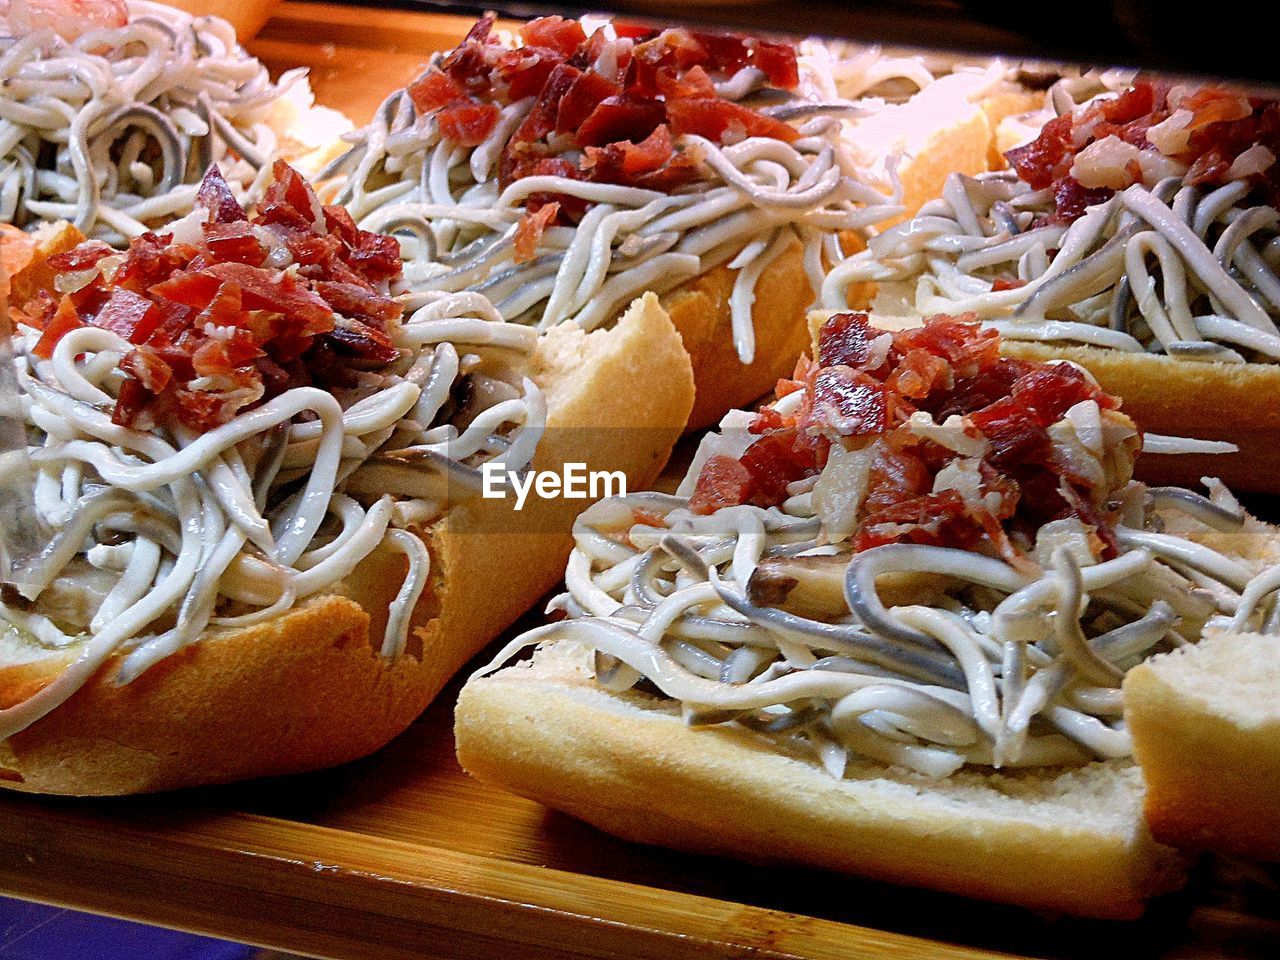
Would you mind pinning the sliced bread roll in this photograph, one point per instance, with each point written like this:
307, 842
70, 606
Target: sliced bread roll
948, 127
1205, 721
1071, 841
1189, 398
309, 689
1166, 395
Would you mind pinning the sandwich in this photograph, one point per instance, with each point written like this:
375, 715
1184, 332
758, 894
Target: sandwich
884, 627
259, 468
565, 168
1136, 234
114, 110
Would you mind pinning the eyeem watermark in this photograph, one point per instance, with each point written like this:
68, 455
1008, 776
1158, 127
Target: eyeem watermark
573, 482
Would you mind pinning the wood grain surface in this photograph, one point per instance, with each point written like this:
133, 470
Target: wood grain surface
402, 855
357, 55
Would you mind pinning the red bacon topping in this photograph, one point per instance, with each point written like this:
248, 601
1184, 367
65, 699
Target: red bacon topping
468, 124
862, 391
530, 229
605, 109
218, 313
1222, 125
723, 482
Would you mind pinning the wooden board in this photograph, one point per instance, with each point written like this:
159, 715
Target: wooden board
357, 55
402, 855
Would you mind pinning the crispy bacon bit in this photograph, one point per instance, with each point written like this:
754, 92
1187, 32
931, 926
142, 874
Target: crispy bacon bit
1220, 125
774, 461
263, 288
148, 368
942, 519
233, 241
862, 393
605, 109
627, 161
1071, 200
920, 373
83, 257
216, 197
624, 117
64, 320
778, 61
898, 474
960, 341
847, 403
530, 229
585, 94
714, 118
846, 339
128, 315
433, 90
1007, 283
555, 33
217, 310
723, 482
468, 124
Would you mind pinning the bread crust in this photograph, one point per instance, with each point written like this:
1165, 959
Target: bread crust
309, 689
699, 308
1209, 750
1185, 398
1071, 841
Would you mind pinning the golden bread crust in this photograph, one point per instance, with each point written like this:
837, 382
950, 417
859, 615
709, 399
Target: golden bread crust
1186, 398
309, 689
699, 309
1009, 100
1061, 841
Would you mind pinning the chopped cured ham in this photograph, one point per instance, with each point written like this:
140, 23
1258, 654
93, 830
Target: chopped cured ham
606, 108
225, 308
1087, 155
867, 390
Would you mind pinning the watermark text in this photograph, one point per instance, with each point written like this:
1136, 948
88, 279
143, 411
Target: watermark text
573, 481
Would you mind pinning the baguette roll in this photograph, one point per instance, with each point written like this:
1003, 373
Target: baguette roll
885, 621
1121, 251
1062, 841
309, 689
1205, 732
738, 267
304, 653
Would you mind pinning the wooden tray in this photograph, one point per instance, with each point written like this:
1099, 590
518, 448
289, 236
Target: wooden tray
402, 855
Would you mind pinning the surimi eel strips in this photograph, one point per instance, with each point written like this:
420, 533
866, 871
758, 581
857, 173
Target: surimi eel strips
560, 172
1136, 234
259, 457
116, 109
886, 619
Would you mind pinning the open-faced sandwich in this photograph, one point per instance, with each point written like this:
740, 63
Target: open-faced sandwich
113, 111
883, 627
258, 465
1136, 234
564, 169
